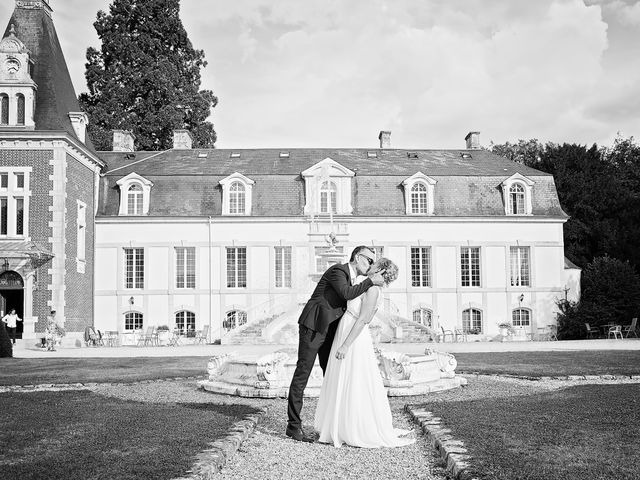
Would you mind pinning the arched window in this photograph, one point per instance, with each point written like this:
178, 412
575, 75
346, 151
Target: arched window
521, 317
516, 199
234, 319
134, 200
328, 197
423, 316
4, 109
419, 198
472, 320
133, 321
185, 321
237, 198
20, 99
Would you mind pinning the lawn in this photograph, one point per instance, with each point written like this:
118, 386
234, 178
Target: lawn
584, 431
541, 364
82, 435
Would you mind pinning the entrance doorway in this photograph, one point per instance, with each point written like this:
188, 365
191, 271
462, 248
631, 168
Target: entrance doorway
12, 296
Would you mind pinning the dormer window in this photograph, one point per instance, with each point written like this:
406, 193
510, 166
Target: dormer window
328, 198
419, 194
135, 193
517, 192
328, 188
17, 93
236, 194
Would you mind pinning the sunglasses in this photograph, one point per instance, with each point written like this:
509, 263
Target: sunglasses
369, 260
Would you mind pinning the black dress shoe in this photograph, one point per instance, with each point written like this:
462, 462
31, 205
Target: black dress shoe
298, 434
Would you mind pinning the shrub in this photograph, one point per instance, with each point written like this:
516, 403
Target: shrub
6, 349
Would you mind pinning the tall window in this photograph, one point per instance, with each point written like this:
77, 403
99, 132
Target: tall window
4, 109
236, 267
20, 99
81, 222
470, 266
14, 201
134, 200
516, 199
185, 321
520, 267
234, 319
237, 198
419, 198
521, 317
324, 259
185, 267
472, 320
134, 268
328, 197
133, 321
283, 266
420, 266
423, 316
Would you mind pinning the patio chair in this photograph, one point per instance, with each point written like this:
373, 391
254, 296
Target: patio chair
615, 331
91, 337
592, 331
460, 333
148, 337
630, 329
201, 335
444, 335
553, 332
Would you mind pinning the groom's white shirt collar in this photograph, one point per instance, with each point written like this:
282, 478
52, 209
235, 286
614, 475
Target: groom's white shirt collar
352, 274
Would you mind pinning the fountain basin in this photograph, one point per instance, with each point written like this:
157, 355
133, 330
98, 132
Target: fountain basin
269, 376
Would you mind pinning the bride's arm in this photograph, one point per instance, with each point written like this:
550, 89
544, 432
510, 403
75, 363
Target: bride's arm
367, 310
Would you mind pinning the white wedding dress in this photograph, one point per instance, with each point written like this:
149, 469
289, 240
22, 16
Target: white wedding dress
353, 407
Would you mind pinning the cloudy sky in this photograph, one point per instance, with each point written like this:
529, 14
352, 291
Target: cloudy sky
333, 73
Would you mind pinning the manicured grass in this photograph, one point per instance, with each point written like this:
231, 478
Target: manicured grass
28, 371
539, 364
82, 435
585, 431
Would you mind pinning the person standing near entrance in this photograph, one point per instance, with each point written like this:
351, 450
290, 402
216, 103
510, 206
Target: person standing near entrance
11, 320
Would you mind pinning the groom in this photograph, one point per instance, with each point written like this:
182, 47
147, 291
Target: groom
319, 321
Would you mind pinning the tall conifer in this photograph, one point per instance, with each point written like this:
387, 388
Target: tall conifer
146, 77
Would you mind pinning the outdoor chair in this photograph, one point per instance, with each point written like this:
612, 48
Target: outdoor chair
615, 331
91, 337
630, 329
201, 335
460, 333
99, 340
149, 337
592, 331
444, 335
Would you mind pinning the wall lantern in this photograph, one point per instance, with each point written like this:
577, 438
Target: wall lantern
521, 297
132, 301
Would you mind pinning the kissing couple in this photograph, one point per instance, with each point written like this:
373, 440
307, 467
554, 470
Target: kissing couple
353, 407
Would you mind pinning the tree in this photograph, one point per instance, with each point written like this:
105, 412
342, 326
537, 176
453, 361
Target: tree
146, 77
527, 152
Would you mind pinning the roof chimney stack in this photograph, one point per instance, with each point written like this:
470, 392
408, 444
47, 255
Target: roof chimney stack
385, 139
473, 140
182, 140
79, 122
123, 141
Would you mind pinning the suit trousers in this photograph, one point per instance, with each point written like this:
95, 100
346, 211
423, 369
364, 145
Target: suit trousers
310, 345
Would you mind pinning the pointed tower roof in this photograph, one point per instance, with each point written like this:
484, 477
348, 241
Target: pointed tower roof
56, 97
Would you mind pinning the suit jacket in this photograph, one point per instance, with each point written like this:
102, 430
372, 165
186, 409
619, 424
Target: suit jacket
329, 299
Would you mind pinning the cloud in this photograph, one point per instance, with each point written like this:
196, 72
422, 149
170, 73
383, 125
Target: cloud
627, 13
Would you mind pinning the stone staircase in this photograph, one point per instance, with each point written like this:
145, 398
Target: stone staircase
413, 332
251, 335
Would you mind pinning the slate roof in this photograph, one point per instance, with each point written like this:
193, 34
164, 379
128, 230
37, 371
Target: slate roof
186, 184
55, 96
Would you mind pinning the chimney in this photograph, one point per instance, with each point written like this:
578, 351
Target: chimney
385, 139
79, 121
123, 141
182, 140
473, 140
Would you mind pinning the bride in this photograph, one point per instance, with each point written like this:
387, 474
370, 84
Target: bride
353, 406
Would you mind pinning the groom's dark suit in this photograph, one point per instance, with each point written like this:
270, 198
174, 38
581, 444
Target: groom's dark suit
318, 323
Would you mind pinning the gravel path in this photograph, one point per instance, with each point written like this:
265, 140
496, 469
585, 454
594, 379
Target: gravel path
269, 454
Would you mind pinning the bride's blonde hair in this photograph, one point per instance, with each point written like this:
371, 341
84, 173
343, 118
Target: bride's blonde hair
390, 268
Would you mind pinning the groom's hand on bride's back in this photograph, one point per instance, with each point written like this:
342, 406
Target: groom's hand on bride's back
377, 278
